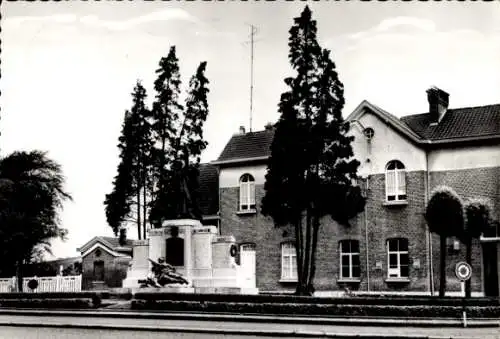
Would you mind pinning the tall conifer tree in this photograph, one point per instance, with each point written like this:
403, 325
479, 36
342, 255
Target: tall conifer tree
185, 144
132, 185
166, 112
311, 170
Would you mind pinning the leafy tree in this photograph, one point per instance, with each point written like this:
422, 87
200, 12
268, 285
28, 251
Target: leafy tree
31, 198
478, 219
445, 216
310, 171
132, 185
182, 145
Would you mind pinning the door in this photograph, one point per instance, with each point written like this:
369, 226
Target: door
99, 270
490, 263
247, 263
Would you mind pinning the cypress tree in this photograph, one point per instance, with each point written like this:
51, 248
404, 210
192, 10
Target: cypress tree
310, 171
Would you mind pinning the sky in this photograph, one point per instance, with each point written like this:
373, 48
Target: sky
68, 69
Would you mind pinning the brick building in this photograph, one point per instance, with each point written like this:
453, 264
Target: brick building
388, 247
104, 262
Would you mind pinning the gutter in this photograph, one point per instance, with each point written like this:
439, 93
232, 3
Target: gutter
239, 160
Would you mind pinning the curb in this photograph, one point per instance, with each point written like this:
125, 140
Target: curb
416, 322
278, 333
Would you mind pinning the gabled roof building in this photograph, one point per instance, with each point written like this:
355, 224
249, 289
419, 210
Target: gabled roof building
388, 247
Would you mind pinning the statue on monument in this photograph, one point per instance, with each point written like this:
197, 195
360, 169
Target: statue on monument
163, 274
185, 176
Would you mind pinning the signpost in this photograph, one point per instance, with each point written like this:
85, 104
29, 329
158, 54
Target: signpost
463, 271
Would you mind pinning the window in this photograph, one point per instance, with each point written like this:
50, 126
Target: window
247, 193
288, 262
349, 259
397, 257
395, 181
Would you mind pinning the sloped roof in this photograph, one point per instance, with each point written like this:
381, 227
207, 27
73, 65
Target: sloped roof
247, 146
208, 189
115, 242
471, 122
461, 124
111, 243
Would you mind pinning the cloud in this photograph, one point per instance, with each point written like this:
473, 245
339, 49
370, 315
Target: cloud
163, 15
55, 18
390, 24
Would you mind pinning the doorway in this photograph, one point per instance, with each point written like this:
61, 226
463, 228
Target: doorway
247, 263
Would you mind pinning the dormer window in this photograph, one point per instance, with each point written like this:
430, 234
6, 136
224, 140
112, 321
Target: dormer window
247, 193
395, 181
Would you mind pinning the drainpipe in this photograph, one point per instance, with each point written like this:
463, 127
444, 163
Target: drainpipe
428, 233
366, 239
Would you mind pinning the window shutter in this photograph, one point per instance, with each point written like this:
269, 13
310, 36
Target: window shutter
251, 197
243, 195
401, 175
390, 178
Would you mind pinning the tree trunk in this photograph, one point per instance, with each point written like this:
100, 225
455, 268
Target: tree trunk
144, 212
139, 223
442, 266
468, 259
19, 275
313, 254
304, 275
299, 252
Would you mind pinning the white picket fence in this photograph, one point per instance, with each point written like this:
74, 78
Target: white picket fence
59, 283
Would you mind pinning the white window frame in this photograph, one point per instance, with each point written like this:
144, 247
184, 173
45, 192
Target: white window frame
247, 193
395, 273
398, 175
288, 258
350, 255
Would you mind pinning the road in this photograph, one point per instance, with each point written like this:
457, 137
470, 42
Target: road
49, 325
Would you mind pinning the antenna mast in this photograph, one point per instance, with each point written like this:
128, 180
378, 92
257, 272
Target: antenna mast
253, 31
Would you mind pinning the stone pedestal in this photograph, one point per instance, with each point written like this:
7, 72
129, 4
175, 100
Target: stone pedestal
206, 261
158, 243
139, 267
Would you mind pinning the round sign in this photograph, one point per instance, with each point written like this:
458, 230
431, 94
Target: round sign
463, 271
233, 250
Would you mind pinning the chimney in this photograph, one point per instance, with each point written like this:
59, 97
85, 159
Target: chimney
438, 103
242, 129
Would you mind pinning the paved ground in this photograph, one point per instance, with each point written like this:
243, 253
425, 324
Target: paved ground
41, 326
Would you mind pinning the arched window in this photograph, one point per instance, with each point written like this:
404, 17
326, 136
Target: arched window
395, 181
247, 193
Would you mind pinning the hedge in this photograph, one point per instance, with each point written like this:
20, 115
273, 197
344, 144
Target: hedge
317, 309
355, 300
52, 303
53, 295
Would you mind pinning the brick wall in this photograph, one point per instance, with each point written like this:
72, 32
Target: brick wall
382, 222
401, 221
468, 183
115, 269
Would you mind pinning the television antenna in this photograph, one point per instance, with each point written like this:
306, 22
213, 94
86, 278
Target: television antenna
253, 31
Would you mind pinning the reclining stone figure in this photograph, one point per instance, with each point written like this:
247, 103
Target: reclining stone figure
162, 274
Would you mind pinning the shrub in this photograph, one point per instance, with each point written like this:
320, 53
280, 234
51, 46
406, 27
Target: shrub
346, 310
53, 303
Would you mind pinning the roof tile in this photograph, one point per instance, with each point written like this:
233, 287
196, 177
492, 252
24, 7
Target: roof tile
471, 122
248, 145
